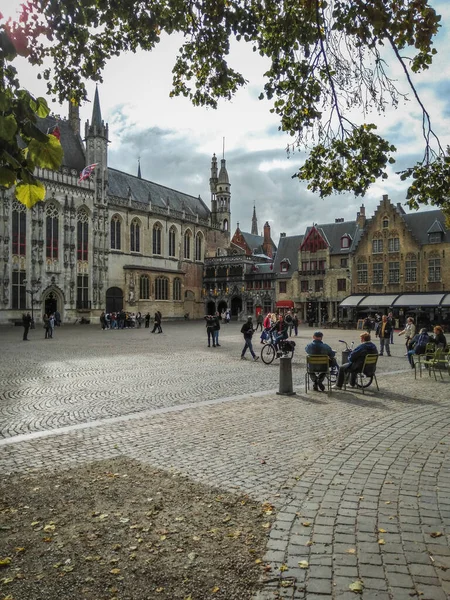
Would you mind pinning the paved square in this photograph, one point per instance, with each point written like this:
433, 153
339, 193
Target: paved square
361, 483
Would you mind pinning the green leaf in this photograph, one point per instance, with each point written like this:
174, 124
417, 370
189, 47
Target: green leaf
5, 102
8, 127
42, 107
6, 156
30, 194
7, 177
48, 155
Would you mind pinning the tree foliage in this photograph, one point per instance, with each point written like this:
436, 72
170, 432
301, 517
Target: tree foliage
327, 67
23, 146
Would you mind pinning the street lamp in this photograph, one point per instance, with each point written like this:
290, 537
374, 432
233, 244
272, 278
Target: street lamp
35, 287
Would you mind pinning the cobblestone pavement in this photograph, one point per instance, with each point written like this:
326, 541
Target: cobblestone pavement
346, 472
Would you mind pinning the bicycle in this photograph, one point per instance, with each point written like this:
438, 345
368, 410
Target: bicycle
269, 352
363, 380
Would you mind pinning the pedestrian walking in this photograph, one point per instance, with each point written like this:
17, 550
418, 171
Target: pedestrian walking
46, 322
392, 322
210, 331
409, 332
295, 323
259, 322
383, 331
289, 322
147, 320
217, 320
247, 331
103, 321
26, 322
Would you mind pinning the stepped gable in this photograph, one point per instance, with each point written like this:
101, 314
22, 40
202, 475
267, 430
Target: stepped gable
124, 185
288, 247
72, 145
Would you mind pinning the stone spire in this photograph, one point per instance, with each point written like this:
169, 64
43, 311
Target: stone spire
139, 169
96, 112
254, 222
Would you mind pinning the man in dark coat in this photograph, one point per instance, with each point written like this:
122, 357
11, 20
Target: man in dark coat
247, 331
317, 347
356, 361
26, 321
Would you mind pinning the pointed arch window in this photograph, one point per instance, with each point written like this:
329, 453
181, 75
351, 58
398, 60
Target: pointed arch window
187, 245
172, 241
177, 288
198, 246
144, 287
116, 233
52, 231
82, 234
161, 288
157, 229
135, 236
19, 229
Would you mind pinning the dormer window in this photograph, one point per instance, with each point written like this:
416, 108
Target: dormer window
435, 238
345, 242
284, 265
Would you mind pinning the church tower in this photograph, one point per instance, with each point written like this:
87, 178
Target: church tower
254, 222
213, 187
223, 198
96, 138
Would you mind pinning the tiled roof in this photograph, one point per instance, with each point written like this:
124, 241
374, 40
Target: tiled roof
424, 222
333, 232
288, 247
71, 143
121, 184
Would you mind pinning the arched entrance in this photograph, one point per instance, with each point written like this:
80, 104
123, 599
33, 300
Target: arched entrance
51, 304
114, 300
222, 307
211, 308
236, 306
52, 301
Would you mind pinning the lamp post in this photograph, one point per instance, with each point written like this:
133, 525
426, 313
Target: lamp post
35, 287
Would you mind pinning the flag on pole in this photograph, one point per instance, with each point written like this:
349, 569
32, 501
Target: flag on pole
87, 171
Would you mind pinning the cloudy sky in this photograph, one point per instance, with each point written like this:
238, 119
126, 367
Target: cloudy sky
175, 141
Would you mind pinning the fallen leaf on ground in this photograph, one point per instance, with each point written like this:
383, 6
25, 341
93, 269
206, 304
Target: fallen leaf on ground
4, 562
303, 564
382, 530
306, 524
357, 587
351, 551
381, 542
436, 534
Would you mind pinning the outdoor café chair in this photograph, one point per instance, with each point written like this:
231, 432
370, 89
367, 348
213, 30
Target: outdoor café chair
317, 364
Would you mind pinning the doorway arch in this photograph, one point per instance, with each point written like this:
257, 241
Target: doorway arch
114, 300
211, 308
52, 301
222, 306
236, 306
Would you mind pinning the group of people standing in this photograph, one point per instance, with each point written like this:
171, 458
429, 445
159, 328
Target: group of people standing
127, 320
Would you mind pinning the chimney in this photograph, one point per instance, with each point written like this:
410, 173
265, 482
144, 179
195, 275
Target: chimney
74, 117
340, 220
267, 244
361, 217
282, 235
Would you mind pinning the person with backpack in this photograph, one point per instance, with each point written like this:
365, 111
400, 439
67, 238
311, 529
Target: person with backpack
247, 331
289, 321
